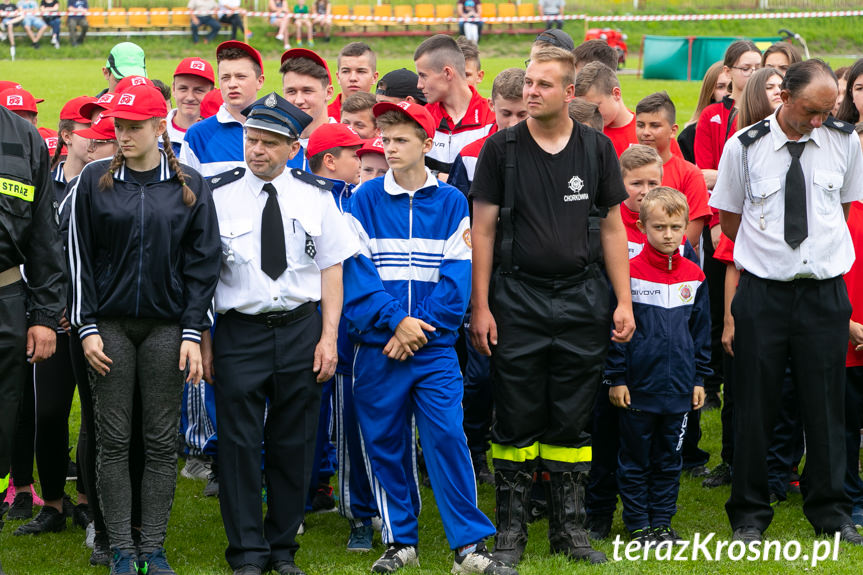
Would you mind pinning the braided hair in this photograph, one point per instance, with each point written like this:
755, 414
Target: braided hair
107, 179
67, 126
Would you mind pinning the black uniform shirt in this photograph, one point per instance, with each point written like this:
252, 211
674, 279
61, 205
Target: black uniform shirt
552, 199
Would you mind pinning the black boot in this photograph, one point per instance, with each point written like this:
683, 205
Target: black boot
566, 518
512, 492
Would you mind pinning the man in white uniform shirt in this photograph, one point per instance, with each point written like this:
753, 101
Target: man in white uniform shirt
283, 242
783, 192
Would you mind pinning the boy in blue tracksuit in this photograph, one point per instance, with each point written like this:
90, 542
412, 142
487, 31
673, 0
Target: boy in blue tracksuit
657, 377
406, 293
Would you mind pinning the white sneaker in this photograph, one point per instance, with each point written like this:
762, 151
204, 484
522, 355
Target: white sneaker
396, 557
56, 41
90, 538
279, 37
12, 52
480, 561
2, 36
196, 468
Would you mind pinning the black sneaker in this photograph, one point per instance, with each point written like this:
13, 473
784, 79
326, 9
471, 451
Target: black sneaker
71, 471
599, 527
154, 563
211, 489
285, 568
665, 533
49, 520
101, 554
22, 506
697, 471
642, 536
721, 475
480, 469
81, 515
323, 500
395, 557
480, 561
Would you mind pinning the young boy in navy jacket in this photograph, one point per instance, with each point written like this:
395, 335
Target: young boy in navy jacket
657, 377
406, 293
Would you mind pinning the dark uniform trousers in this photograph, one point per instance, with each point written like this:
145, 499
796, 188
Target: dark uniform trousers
257, 366
13, 367
553, 336
804, 321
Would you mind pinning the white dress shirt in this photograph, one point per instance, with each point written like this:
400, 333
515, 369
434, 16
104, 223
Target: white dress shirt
243, 286
833, 168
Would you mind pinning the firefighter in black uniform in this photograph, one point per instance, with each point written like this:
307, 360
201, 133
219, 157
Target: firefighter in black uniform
28, 235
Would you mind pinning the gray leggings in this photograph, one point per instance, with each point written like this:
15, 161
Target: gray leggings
145, 353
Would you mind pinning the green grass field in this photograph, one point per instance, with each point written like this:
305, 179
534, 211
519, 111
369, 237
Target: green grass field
196, 539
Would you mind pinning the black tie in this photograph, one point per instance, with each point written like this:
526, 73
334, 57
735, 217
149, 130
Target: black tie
796, 227
273, 258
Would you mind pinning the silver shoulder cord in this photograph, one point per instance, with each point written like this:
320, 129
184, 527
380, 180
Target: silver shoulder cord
747, 187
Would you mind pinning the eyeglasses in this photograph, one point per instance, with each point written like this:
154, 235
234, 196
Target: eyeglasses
97, 143
746, 71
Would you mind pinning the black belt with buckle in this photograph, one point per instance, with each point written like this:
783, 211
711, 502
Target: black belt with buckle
278, 318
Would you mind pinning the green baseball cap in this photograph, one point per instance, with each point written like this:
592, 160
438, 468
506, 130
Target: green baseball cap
126, 59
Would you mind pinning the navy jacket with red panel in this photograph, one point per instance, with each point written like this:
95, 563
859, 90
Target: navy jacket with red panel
670, 351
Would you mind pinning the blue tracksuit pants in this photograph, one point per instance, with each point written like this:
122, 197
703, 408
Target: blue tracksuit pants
386, 394
649, 466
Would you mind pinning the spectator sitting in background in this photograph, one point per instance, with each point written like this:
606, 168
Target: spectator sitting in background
202, 15
323, 17
280, 18
30, 10
469, 13
10, 17
78, 10
50, 13
552, 11
302, 20
231, 12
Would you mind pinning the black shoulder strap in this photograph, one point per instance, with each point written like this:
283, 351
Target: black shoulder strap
596, 214
506, 214
219, 180
846, 127
312, 179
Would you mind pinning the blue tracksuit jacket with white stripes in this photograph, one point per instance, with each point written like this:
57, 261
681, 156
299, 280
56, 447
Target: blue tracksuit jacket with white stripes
415, 259
670, 350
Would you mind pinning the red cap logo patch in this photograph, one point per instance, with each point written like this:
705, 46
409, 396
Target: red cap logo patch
404, 105
126, 100
14, 100
196, 65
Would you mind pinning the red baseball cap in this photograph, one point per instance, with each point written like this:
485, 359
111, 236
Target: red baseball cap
72, 109
416, 112
19, 99
104, 102
372, 146
51, 140
101, 129
129, 81
140, 102
211, 103
310, 54
332, 136
196, 67
254, 54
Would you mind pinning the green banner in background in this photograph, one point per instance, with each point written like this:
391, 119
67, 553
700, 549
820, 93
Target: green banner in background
668, 57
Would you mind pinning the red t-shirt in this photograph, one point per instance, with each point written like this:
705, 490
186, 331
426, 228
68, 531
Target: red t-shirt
854, 278
622, 137
686, 178
334, 109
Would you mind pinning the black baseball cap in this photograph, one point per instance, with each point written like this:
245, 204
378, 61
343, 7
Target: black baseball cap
400, 83
556, 37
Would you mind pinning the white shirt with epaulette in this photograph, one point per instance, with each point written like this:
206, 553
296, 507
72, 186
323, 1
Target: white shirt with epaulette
308, 214
833, 168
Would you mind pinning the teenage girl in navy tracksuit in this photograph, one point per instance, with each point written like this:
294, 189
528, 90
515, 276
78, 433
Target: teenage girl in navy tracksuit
144, 263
